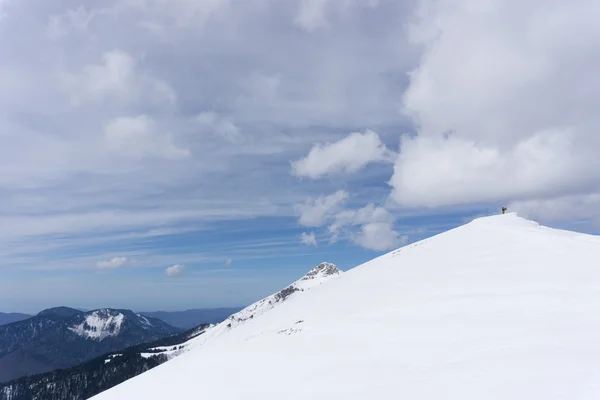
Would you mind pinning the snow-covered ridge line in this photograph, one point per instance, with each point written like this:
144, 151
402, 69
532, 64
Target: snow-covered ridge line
318, 275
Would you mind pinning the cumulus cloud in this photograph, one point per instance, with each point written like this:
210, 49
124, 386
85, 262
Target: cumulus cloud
317, 211
436, 171
501, 113
567, 208
308, 239
113, 263
378, 236
175, 270
370, 227
347, 155
138, 137
367, 214
375, 227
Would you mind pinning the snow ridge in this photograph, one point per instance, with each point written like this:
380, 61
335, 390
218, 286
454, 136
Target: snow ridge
316, 276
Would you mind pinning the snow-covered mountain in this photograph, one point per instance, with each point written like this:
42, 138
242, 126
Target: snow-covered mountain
62, 337
105, 323
500, 308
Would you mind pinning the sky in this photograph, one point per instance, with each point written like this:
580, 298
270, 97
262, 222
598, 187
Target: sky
173, 154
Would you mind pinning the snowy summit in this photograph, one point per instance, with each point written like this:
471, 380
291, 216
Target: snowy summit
499, 308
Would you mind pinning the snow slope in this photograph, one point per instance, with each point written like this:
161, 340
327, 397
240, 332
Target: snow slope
500, 308
315, 277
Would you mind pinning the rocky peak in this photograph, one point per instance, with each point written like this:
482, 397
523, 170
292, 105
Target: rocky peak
322, 270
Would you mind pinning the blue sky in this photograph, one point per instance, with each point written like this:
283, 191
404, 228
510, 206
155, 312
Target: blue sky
171, 154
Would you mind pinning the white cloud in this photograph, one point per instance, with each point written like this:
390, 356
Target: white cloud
347, 155
220, 125
563, 209
113, 263
378, 236
370, 227
502, 114
138, 137
308, 239
111, 78
368, 214
107, 93
117, 77
316, 212
175, 270
375, 228
435, 171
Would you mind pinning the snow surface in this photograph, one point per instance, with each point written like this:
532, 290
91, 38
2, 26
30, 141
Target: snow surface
500, 308
99, 325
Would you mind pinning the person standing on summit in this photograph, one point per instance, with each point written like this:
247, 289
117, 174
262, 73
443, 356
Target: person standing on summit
503, 210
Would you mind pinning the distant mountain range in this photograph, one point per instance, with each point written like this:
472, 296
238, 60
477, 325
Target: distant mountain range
63, 337
12, 317
99, 374
189, 319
